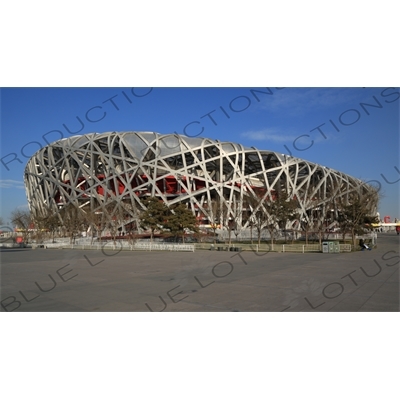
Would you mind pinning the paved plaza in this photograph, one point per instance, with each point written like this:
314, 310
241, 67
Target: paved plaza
90, 280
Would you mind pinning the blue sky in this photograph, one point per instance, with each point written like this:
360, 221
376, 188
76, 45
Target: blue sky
330, 126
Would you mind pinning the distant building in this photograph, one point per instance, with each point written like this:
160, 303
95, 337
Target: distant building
94, 170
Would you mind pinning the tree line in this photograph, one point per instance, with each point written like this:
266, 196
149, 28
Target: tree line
119, 218
255, 210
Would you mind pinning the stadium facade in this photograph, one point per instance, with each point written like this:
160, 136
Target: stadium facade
95, 171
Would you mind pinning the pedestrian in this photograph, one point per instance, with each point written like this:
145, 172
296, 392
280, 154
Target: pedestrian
398, 229
363, 245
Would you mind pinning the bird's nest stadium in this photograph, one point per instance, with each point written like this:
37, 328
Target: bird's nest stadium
94, 170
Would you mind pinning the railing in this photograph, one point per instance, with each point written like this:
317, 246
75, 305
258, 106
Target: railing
14, 245
164, 246
262, 248
265, 248
344, 248
236, 247
300, 248
118, 246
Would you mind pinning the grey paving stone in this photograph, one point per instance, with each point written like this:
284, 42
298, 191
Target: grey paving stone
246, 282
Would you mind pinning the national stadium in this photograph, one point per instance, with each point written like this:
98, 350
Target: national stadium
93, 171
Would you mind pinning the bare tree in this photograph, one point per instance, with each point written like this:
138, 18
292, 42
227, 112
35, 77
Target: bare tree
94, 221
321, 213
226, 220
115, 218
132, 222
53, 224
308, 203
284, 209
46, 220
248, 213
356, 211
39, 222
23, 221
215, 210
237, 217
271, 212
73, 219
271, 219
259, 216
319, 217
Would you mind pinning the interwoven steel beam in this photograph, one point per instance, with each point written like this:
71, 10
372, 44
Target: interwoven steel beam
94, 170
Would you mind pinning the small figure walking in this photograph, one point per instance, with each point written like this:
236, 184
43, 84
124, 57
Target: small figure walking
363, 245
398, 229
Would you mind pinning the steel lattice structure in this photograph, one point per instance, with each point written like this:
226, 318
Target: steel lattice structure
94, 170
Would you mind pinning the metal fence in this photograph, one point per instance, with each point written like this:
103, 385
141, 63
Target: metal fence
118, 246
146, 246
265, 248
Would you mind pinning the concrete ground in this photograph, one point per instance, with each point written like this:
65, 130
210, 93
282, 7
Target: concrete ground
89, 280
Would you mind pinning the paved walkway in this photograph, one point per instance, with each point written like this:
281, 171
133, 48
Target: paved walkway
76, 280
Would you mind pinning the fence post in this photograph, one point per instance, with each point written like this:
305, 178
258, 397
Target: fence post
283, 248
303, 248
